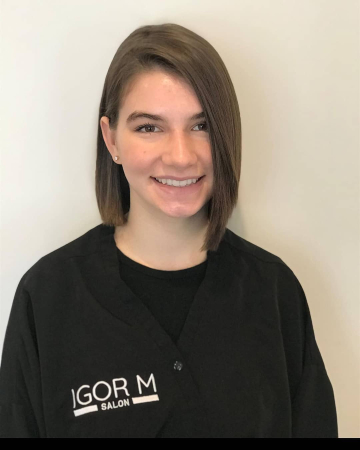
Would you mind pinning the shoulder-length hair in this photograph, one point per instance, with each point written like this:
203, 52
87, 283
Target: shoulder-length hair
181, 52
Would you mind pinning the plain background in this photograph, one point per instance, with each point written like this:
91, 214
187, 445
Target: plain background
295, 68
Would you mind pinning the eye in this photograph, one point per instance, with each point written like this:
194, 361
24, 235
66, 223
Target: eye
145, 125
203, 123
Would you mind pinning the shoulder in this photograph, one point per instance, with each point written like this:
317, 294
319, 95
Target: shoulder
246, 249
250, 257
55, 261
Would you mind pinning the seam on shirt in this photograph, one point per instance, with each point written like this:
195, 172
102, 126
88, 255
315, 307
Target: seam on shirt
281, 262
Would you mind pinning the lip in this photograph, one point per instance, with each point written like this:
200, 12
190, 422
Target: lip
166, 177
179, 191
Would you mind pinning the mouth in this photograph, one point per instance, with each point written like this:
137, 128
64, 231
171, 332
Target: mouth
179, 191
200, 178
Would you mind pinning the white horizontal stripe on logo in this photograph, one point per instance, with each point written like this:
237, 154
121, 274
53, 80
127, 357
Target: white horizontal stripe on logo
144, 399
87, 409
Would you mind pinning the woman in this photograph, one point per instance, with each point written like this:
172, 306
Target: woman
160, 321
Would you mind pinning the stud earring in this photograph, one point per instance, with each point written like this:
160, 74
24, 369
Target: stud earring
116, 158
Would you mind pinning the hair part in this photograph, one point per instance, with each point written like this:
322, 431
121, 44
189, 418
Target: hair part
178, 51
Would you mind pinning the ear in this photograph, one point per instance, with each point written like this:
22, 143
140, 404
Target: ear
109, 138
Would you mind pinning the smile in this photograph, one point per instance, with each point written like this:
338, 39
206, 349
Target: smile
188, 189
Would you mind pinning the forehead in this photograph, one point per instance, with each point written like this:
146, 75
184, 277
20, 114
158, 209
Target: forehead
158, 79
159, 90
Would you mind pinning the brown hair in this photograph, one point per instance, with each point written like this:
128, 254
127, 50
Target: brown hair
177, 50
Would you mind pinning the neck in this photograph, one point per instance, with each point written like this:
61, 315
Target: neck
168, 243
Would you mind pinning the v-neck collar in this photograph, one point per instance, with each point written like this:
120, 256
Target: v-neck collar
119, 294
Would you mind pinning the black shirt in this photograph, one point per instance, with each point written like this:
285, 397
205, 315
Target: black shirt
85, 356
168, 294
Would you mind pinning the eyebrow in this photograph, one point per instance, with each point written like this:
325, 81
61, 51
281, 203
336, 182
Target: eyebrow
137, 114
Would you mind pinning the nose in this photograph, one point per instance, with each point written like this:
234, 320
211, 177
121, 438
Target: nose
181, 150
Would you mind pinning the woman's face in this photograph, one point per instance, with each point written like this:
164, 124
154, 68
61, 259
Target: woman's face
175, 146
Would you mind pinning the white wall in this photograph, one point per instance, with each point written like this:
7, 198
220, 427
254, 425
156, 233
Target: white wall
295, 67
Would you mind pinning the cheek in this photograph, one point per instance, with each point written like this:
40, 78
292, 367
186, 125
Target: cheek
136, 161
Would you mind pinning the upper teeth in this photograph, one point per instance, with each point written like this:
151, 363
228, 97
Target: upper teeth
177, 183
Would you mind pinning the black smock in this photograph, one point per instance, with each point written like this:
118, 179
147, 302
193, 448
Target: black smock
98, 345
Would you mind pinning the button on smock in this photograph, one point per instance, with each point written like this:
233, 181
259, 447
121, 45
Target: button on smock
178, 365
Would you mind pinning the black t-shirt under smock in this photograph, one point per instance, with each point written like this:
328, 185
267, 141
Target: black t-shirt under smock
168, 294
